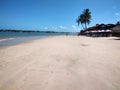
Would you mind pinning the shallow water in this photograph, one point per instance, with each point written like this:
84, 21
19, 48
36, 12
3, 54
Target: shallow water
11, 38
13, 41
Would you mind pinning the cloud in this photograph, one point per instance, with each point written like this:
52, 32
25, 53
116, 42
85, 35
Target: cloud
54, 28
59, 28
72, 28
62, 27
46, 28
75, 28
117, 14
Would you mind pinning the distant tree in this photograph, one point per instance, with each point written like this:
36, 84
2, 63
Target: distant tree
84, 18
118, 23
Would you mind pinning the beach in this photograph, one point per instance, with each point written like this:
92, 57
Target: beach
61, 63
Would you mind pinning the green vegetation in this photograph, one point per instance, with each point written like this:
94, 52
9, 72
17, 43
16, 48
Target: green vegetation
38, 31
10, 30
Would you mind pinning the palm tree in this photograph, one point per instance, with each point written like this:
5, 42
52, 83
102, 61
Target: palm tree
84, 18
87, 17
80, 20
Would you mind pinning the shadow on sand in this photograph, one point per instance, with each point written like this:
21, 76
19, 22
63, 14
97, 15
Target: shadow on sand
117, 38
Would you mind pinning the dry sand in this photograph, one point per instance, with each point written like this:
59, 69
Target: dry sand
61, 63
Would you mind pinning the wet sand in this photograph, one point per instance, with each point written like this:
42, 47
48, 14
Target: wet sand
61, 63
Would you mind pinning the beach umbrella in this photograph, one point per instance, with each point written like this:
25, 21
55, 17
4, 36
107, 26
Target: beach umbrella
96, 31
103, 30
92, 31
87, 31
99, 31
108, 30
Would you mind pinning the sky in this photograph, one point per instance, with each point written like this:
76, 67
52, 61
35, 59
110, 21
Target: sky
55, 15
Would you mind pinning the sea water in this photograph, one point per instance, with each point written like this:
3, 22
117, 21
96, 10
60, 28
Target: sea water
11, 38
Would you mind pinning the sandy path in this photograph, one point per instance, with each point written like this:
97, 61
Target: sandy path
61, 63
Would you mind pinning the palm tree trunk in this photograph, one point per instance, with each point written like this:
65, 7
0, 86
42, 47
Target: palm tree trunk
85, 25
82, 26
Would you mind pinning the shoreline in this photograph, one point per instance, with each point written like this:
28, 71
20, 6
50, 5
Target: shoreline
47, 37
6, 42
17, 40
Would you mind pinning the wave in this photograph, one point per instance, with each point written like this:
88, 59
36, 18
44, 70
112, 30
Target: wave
5, 39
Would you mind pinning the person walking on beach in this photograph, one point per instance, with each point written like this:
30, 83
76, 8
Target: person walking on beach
66, 34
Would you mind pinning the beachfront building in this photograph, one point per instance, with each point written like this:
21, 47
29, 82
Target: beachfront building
116, 31
100, 30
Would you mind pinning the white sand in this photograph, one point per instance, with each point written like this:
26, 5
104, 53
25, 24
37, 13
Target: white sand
61, 63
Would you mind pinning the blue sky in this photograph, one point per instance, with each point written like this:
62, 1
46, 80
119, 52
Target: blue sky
55, 15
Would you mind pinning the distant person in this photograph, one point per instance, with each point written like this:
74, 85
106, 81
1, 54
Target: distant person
79, 34
66, 34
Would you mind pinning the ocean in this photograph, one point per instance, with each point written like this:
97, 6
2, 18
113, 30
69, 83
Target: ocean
12, 38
